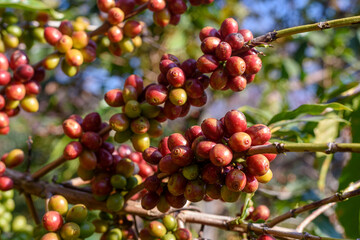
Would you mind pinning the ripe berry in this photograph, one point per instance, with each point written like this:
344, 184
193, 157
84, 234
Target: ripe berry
66, 27
175, 201
91, 122
182, 155
105, 5
162, 18
166, 165
228, 26
172, 111
150, 200
64, 44
52, 35
115, 16
183, 234
18, 58
177, 7
209, 45
176, 139
235, 180
15, 91
198, 102
152, 155
212, 129
218, 79
235, 66
91, 140
266, 237
247, 34
32, 87
207, 63
239, 142
223, 51
195, 190
4, 63
208, 32
220, 155
136, 82
261, 212
114, 98
157, 229
72, 128
257, 165
88, 160
235, 40
5, 77
203, 148
251, 184
156, 94
237, 83
269, 156
259, 134
72, 150
253, 64
176, 77
132, 28
156, 5
52, 221
234, 122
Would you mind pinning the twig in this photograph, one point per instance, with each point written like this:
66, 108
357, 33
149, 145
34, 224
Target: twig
337, 197
29, 143
60, 160
31, 207
322, 209
76, 182
24, 183
304, 147
136, 226
272, 36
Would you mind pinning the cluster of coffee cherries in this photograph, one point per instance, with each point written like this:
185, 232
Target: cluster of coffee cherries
169, 11
74, 47
19, 89
208, 162
60, 222
10, 31
99, 162
165, 229
231, 66
12, 228
138, 120
114, 227
9, 160
123, 37
179, 87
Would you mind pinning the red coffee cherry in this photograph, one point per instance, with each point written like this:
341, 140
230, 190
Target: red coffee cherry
4, 63
15, 91
114, 98
257, 165
52, 35
221, 155
189, 67
193, 132
72, 150
52, 221
91, 140
115, 15
237, 83
156, 5
228, 26
234, 122
207, 63
176, 77
176, 139
261, 212
235, 40
163, 146
202, 149
152, 155
182, 155
177, 184
266, 237
115, 34
18, 58
269, 156
105, 5
149, 200
223, 51
6, 183
156, 94
177, 7
212, 129
210, 173
132, 28
66, 27
162, 17
219, 79
92, 122
247, 34
195, 190
166, 165
208, 32
72, 128
251, 185
172, 111
209, 45
253, 64
5, 77
259, 134
235, 180
235, 66
239, 142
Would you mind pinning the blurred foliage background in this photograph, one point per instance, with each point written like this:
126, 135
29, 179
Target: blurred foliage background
309, 68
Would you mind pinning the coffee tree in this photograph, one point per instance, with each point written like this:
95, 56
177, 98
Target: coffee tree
193, 109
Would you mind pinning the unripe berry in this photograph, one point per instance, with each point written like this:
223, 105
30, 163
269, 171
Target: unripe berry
64, 44
178, 96
14, 158
162, 18
195, 190
266, 177
119, 122
59, 204
80, 39
74, 57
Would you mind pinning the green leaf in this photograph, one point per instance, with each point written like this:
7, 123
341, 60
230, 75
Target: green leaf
312, 109
30, 5
348, 211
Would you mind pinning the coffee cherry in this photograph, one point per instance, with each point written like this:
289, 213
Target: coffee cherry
149, 200
152, 155
253, 64
229, 196
259, 134
115, 16
195, 191
105, 5
88, 160
72, 128
59, 204
208, 32
52, 35
132, 109
235, 121
189, 67
157, 229
70, 231
202, 149
140, 142
51, 61
2, 168
30, 104
178, 96
237, 83
80, 39
220, 155
114, 98
269, 156
163, 146
176, 184
4, 63
132, 28
51, 236
52, 221
91, 140
257, 165
15, 91
6, 183
166, 165
239, 142
172, 111
64, 44
266, 177
74, 57
18, 58
156, 94
87, 229
223, 51
219, 79
32, 87
162, 17
140, 125
115, 202
119, 122
236, 41
235, 66
198, 102
213, 191
209, 45
183, 234
14, 158
5, 77
175, 201
66, 27
261, 212
228, 26
247, 34
235, 180
176, 139
212, 129
77, 214
207, 63
176, 77
156, 5
182, 155
72, 150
